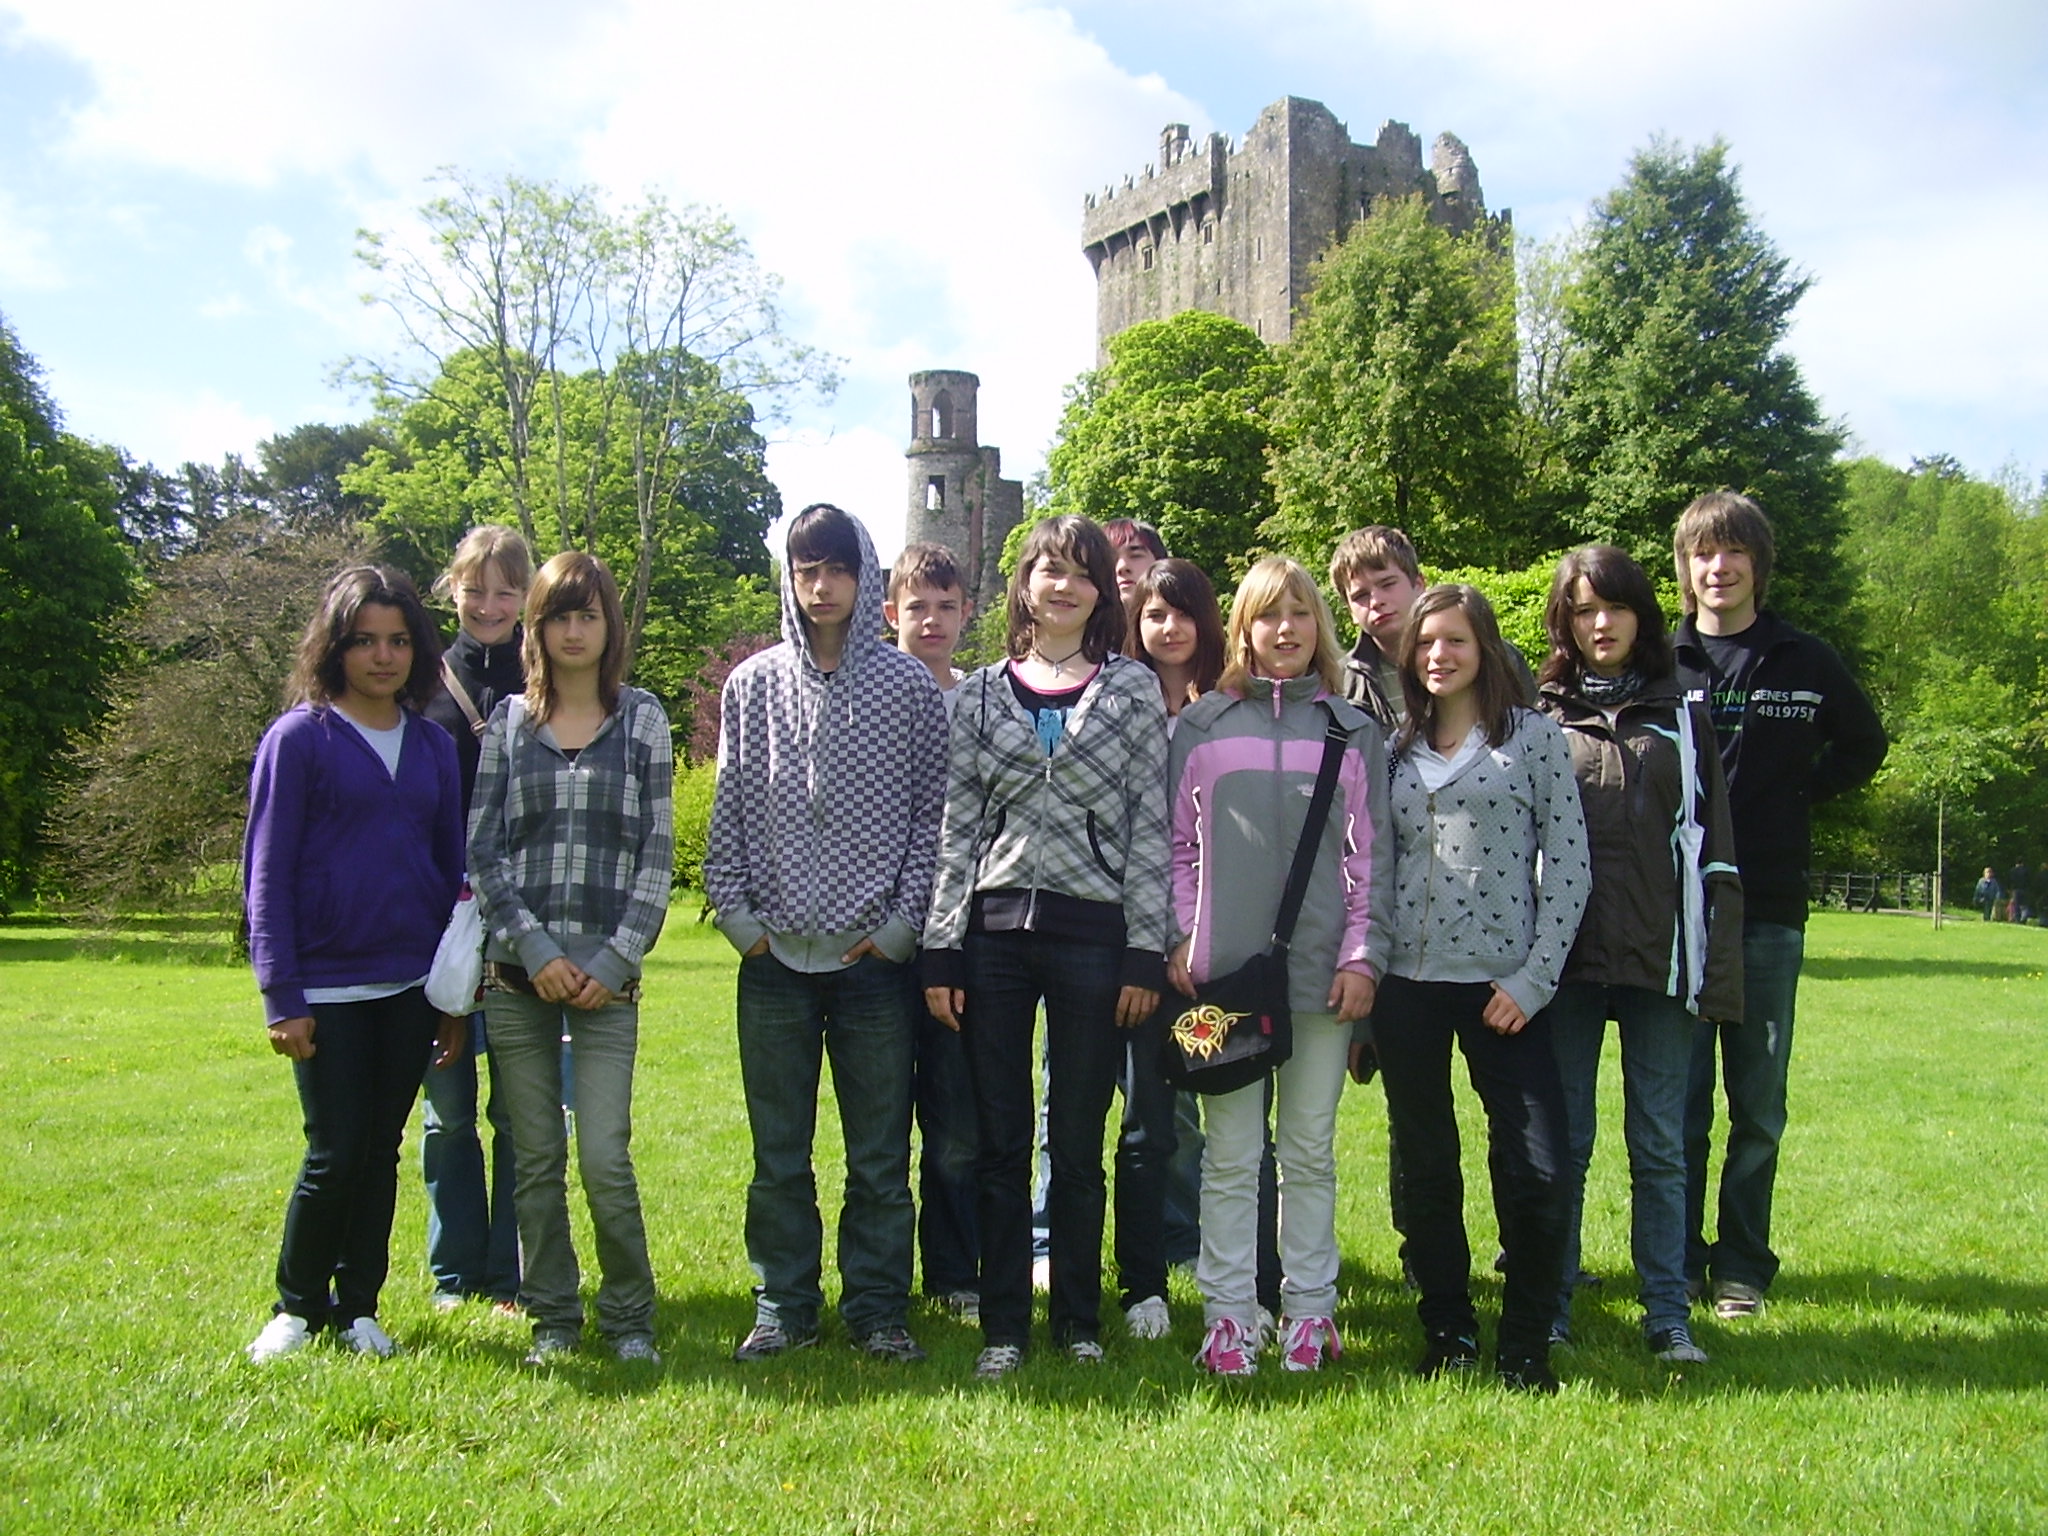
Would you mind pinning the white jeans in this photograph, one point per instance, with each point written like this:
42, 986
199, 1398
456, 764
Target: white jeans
1306, 1092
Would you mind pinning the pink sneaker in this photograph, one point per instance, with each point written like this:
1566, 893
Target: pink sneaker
1229, 1350
1306, 1340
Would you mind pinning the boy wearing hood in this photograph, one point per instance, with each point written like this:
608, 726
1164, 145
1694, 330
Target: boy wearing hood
823, 841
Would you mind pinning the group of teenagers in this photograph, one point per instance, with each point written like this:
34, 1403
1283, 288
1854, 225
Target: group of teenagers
916, 866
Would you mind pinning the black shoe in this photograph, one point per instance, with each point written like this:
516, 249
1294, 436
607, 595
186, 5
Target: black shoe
1526, 1374
1448, 1354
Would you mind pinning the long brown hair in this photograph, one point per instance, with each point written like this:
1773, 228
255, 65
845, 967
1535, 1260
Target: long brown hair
1615, 577
1079, 540
1497, 689
1181, 585
573, 579
318, 677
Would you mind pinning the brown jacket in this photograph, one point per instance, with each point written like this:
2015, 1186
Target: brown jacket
1630, 786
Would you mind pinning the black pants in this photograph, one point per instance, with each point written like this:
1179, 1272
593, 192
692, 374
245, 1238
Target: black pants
356, 1093
1516, 1078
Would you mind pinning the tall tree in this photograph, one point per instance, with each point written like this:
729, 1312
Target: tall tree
64, 571
1676, 380
1399, 398
1172, 430
519, 287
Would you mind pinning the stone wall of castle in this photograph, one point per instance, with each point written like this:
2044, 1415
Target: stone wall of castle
1235, 228
958, 496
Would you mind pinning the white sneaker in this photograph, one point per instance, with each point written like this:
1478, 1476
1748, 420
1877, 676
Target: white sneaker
366, 1338
282, 1335
1149, 1319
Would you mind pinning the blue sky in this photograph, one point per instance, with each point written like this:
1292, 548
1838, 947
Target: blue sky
180, 186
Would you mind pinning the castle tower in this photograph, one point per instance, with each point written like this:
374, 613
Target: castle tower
1235, 228
958, 496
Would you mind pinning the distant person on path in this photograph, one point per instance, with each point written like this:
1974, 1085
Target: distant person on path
352, 861
472, 1231
824, 831
1794, 730
1987, 894
1661, 942
1490, 881
1245, 762
2020, 883
928, 606
1052, 887
572, 852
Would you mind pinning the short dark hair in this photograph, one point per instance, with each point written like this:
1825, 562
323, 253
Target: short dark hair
925, 565
1723, 520
318, 676
573, 579
824, 534
1184, 585
1498, 687
1080, 540
1373, 548
1614, 575
1126, 530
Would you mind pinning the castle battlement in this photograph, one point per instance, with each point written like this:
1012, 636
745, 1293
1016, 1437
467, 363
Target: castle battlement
1233, 226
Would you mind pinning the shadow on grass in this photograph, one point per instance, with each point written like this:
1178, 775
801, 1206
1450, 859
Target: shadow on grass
1931, 968
1952, 1333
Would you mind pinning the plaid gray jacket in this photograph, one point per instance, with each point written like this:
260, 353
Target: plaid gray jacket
575, 858
1088, 822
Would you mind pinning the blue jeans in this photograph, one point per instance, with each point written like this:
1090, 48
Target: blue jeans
948, 1236
1414, 1024
472, 1236
1007, 975
356, 1092
526, 1050
789, 1021
1656, 1062
1755, 1058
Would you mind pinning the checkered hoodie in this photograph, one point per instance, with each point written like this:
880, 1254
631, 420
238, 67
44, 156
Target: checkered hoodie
1088, 821
575, 858
825, 822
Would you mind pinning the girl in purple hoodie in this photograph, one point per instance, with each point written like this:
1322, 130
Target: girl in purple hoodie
352, 861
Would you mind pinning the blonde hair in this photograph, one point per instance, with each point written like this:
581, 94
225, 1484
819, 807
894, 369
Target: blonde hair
1264, 585
488, 544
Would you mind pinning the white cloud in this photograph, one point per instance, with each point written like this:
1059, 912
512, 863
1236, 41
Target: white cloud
28, 258
167, 427
861, 470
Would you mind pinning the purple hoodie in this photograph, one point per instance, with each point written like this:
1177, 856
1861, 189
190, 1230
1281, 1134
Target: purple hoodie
347, 874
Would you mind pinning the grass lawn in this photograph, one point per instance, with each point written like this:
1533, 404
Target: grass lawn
1898, 1380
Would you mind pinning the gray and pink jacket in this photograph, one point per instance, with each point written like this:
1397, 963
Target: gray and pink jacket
1243, 769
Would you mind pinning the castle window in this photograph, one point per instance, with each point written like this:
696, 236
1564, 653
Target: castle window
935, 494
942, 414
1258, 248
1259, 327
1208, 231
1145, 255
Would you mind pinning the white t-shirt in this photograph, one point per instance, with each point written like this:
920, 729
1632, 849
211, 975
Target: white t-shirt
1434, 769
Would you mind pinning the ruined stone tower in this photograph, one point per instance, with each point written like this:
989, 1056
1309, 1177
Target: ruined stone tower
958, 496
1234, 228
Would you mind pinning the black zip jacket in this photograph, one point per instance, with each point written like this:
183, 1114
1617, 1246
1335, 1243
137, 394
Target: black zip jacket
1808, 734
490, 673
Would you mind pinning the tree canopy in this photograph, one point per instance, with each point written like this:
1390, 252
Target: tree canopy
64, 572
1173, 431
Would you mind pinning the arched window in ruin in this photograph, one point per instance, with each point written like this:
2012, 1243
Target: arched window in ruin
942, 414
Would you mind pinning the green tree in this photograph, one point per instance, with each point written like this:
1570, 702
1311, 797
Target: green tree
1172, 430
65, 571
1399, 398
1675, 379
552, 339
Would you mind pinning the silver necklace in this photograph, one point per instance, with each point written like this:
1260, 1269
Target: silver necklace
1058, 667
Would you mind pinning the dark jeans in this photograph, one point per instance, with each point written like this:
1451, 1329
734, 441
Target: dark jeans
1008, 974
789, 1021
1756, 1056
356, 1092
472, 1234
948, 1235
1414, 1023
1147, 1139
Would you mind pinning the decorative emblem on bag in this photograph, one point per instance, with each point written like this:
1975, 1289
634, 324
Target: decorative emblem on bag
1201, 1031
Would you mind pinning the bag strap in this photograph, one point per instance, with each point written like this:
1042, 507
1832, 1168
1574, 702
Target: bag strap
1335, 740
461, 697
